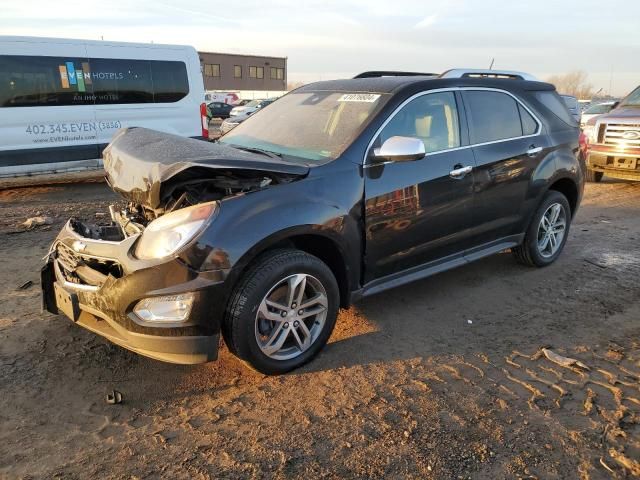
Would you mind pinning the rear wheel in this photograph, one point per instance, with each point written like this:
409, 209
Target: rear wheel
282, 312
547, 234
593, 176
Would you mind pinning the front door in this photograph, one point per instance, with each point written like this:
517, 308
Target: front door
418, 212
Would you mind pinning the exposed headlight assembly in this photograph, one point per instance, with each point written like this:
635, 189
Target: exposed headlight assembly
169, 233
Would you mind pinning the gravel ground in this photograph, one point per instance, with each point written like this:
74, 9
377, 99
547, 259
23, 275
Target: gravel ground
445, 378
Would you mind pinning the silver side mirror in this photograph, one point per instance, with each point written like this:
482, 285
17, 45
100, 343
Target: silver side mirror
400, 149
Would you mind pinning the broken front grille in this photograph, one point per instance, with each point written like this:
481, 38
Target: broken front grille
83, 269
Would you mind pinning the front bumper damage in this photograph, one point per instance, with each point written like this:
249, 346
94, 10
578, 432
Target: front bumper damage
97, 283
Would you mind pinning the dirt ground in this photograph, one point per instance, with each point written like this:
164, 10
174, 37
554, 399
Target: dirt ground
443, 378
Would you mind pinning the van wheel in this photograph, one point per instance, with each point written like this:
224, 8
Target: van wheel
593, 176
282, 312
547, 233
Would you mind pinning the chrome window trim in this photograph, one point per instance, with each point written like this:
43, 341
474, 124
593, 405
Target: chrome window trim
471, 145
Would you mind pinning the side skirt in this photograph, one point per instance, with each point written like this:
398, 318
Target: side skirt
438, 266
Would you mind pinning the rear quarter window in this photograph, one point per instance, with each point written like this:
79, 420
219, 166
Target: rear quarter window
529, 124
558, 107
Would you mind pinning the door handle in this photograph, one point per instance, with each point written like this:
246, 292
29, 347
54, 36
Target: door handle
460, 171
533, 151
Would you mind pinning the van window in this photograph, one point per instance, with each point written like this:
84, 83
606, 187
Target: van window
433, 118
35, 81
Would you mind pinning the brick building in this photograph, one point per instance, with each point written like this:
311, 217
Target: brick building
233, 72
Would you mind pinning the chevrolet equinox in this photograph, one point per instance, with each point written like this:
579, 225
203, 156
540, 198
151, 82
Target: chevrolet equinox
337, 191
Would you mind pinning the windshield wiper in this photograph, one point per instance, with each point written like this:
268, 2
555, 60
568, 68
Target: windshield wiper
259, 150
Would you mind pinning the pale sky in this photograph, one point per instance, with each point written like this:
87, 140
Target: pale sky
339, 38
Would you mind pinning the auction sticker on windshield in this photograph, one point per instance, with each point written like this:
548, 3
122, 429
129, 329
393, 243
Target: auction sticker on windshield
359, 97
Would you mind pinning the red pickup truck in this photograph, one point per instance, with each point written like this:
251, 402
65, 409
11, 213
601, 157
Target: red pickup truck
613, 141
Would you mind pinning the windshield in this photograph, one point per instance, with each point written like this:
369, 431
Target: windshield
253, 103
316, 126
598, 109
633, 99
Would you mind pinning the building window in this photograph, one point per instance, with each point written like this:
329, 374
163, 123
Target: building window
260, 72
252, 72
280, 74
274, 73
237, 71
211, 70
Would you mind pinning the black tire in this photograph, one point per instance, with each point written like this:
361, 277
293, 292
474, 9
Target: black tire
239, 324
528, 253
593, 176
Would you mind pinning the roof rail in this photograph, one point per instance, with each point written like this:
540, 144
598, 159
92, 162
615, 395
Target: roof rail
389, 73
479, 73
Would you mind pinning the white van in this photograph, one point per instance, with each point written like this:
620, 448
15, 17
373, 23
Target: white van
61, 100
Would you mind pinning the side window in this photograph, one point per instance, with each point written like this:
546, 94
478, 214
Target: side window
33, 81
118, 81
529, 124
170, 81
433, 118
493, 116
554, 102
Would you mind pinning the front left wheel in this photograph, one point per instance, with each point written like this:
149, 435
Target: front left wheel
282, 312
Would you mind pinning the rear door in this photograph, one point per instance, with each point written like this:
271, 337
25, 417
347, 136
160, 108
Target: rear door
508, 144
417, 212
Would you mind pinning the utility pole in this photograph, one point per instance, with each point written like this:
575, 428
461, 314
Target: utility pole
492, 62
611, 82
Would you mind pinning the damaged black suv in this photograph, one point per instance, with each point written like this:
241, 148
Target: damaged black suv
338, 190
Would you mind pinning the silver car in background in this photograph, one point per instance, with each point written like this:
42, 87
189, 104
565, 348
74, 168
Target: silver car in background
595, 110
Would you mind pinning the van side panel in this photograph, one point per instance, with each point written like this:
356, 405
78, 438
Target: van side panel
67, 98
42, 134
181, 117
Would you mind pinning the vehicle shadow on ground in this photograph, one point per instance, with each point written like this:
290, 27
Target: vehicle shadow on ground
457, 313
416, 320
451, 313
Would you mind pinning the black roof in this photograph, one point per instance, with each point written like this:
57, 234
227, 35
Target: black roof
395, 84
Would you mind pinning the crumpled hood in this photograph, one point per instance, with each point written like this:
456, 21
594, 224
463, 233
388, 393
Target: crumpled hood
138, 161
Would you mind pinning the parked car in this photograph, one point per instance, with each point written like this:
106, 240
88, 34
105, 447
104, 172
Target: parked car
572, 105
62, 100
614, 141
594, 111
236, 120
251, 107
339, 190
218, 110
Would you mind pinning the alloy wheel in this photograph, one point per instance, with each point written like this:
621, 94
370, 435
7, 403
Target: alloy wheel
291, 316
551, 230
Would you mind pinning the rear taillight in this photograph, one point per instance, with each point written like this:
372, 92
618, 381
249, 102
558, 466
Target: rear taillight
583, 141
204, 120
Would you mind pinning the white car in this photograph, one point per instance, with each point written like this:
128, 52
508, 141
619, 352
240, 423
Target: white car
594, 111
237, 118
248, 108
